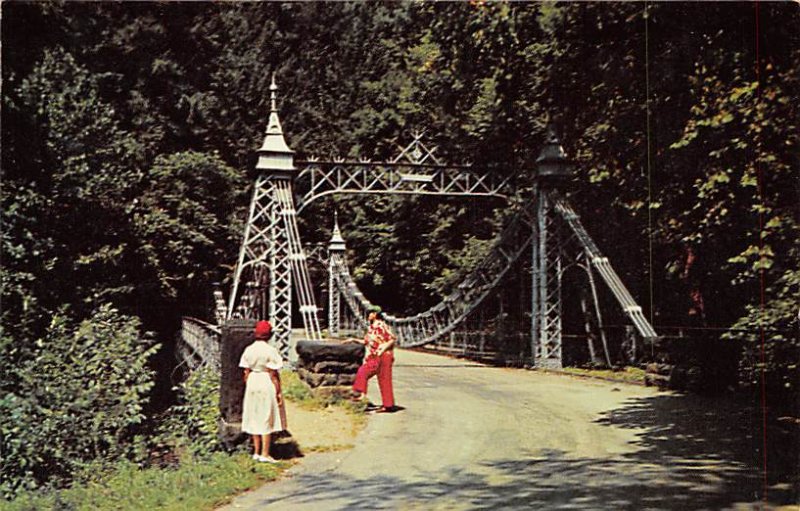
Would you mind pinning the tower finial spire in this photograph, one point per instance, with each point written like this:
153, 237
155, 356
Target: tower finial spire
273, 93
336, 242
274, 154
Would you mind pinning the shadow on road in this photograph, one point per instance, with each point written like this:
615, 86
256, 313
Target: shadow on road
694, 453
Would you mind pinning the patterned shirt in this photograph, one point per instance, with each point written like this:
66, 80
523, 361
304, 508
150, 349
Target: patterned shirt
378, 334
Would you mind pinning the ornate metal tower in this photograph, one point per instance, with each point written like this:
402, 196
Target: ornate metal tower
336, 250
560, 241
552, 172
271, 255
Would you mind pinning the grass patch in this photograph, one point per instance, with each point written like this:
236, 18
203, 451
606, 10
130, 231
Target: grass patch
627, 374
197, 484
294, 389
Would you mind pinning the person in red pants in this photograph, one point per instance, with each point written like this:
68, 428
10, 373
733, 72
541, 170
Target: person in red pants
379, 342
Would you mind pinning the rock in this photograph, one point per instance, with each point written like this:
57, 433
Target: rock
346, 379
328, 363
656, 380
316, 351
656, 368
334, 366
329, 379
313, 379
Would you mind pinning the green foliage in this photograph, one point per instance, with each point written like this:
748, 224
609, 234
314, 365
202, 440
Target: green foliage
194, 422
771, 340
76, 399
293, 387
197, 484
184, 224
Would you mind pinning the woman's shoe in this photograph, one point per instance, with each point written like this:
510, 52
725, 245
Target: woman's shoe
267, 459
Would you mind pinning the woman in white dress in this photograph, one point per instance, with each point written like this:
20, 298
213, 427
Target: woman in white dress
262, 394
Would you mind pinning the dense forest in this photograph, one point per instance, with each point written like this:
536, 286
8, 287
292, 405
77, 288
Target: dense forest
128, 147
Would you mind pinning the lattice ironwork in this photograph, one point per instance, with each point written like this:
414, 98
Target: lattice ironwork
199, 343
547, 271
417, 152
558, 241
321, 178
603, 267
262, 284
298, 261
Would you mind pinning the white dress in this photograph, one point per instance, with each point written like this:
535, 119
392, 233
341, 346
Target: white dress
260, 412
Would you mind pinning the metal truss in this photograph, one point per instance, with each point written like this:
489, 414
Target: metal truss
327, 178
603, 267
562, 241
558, 241
299, 262
272, 258
262, 283
547, 269
415, 171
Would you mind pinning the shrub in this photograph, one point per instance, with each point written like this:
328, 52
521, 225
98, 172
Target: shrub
776, 321
75, 401
194, 422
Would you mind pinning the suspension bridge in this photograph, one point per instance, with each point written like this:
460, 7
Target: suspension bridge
557, 436
272, 269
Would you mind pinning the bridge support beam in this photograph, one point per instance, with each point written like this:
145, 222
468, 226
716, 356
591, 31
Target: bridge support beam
546, 332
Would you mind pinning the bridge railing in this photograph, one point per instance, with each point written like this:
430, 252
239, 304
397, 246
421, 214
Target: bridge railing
199, 343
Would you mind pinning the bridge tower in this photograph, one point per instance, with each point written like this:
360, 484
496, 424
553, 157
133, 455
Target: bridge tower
336, 250
271, 255
553, 171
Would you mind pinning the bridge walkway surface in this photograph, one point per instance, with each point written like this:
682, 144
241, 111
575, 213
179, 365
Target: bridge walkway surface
480, 437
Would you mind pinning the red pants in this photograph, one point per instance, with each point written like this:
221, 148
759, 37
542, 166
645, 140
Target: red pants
382, 366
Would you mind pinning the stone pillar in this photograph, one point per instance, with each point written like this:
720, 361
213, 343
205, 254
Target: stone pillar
237, 334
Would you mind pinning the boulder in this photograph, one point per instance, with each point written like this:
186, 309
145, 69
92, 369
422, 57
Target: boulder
326, 364
317, 351
333, 366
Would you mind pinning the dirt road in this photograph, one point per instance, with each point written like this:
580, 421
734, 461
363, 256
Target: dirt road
477, 437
